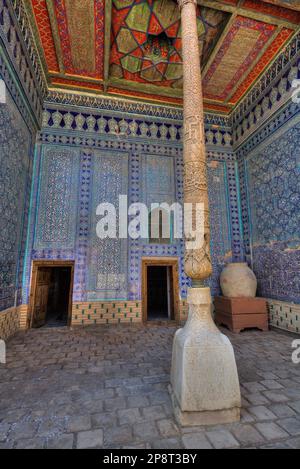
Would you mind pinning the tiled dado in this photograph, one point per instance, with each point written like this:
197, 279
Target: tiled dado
83, 314
110, 312
12, 320
284, 315
106, 312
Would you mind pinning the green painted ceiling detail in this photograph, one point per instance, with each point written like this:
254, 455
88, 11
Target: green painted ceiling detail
146, 40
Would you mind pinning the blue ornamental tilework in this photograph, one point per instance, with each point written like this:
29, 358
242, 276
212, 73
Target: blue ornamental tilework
162, 181
107, 264
46, 251
158, 179
274, 188
276, 266
113, 163
82, 241
58, 199
219, 205
288, 115
244, 204
272, 180
7, 75
127, 127
153, 178
221, 246
15, 167
218, 199
162, 113
235, 225
23, 239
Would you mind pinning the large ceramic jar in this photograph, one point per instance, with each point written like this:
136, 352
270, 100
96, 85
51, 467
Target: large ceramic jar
238, 281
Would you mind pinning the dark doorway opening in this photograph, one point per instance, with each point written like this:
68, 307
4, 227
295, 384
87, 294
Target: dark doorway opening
51, 295
160, 293
58, 299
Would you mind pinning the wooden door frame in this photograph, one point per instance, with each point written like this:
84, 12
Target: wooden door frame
33, 283
160, 262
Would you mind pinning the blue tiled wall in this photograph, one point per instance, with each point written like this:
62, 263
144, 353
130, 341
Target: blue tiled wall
72, 179
270, 175
15, 173
273, 172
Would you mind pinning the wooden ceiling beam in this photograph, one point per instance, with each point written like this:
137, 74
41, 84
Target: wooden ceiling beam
107, 41
146, 88
290, 6
76, 78
252, 14
55, 34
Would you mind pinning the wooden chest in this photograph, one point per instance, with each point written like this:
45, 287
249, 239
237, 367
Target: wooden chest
241, 313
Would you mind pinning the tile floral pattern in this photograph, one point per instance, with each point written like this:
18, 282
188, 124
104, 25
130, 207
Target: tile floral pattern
273, 181
56, 221
274, 188
107, 258
15, 142
111, 269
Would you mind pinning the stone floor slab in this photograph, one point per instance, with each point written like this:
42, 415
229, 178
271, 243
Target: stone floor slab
222, 439
90, 439
271, 431
261, 413
247, 435
196, 441
291, 425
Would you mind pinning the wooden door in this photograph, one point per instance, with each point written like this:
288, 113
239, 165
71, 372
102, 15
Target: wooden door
41, 297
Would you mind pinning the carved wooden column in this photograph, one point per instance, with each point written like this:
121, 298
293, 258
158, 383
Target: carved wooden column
204, 380
197, 261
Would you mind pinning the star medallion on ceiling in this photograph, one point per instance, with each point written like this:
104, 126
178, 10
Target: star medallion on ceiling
146, 40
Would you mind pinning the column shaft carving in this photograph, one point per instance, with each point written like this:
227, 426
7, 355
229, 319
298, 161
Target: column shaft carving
198, 264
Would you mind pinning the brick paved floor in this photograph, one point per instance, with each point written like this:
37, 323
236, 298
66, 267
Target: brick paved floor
107, 388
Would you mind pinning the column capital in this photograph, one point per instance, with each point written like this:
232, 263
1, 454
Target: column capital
181, 3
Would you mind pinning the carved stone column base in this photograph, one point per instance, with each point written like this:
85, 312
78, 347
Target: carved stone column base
204, 380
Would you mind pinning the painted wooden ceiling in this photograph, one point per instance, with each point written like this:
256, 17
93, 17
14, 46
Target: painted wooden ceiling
132, 48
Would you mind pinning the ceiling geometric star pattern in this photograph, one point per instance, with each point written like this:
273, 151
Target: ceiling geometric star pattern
132, 48
146, 40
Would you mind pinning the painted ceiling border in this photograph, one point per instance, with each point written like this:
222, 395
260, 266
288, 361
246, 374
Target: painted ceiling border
247, 100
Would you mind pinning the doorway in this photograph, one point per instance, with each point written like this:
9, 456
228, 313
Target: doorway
51, 294
160, 293
160, 289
